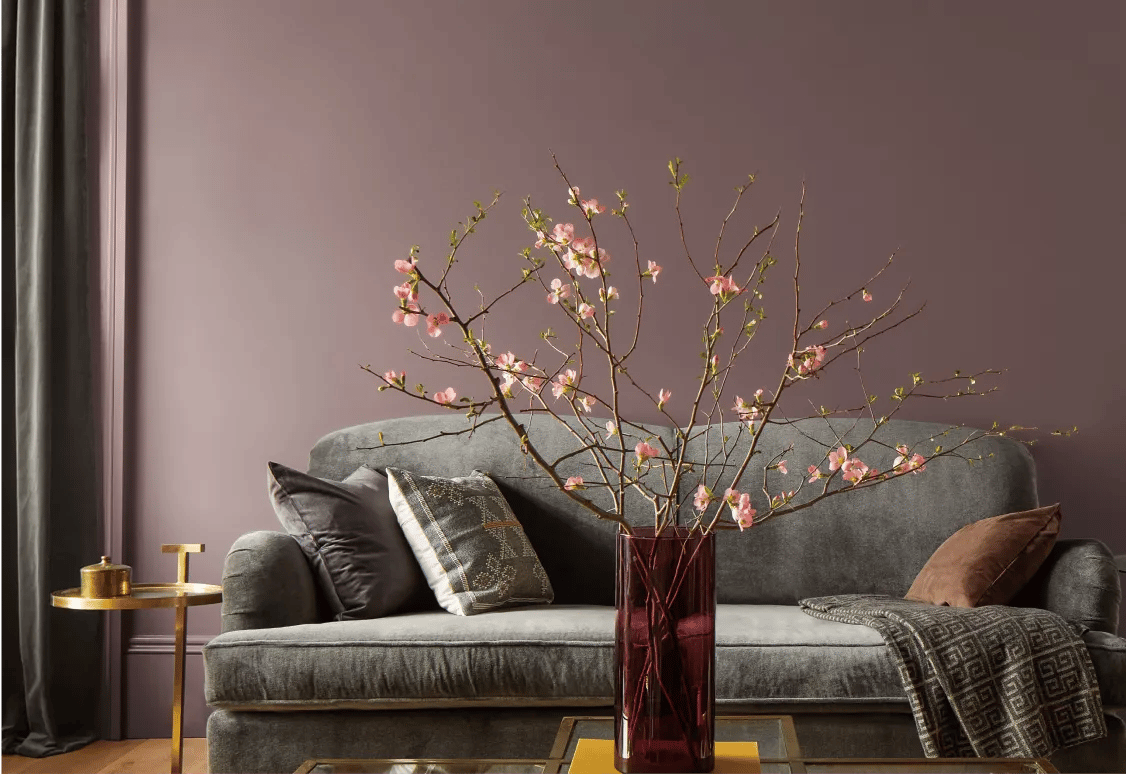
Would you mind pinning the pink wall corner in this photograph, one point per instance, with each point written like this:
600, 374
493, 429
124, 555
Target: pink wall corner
286, 152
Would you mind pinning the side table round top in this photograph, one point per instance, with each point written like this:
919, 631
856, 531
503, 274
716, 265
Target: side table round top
143, 595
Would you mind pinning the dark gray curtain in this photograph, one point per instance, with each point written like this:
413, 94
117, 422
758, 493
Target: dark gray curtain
52, 658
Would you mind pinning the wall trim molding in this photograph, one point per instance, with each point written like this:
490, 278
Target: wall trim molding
112, 98
165, 644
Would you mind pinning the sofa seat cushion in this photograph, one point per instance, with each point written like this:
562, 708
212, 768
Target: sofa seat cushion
531, 656
558, 655
776, 653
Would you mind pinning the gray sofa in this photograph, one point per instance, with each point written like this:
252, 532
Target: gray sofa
287, 684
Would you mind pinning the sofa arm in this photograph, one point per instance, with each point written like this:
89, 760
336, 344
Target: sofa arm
1079, 581
267, 582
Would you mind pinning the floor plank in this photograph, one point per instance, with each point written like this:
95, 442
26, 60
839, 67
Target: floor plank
153, 755
90, 758
128, 756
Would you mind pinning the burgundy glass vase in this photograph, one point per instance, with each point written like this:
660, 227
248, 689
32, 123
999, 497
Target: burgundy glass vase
664, 650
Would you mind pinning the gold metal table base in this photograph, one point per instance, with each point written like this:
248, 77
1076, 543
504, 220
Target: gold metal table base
180, 595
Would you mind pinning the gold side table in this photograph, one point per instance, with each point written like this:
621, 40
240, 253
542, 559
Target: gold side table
180, 595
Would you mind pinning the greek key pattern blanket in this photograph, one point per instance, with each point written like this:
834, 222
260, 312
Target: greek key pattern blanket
991, 681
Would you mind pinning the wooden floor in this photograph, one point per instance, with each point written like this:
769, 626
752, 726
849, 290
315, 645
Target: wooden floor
129, 756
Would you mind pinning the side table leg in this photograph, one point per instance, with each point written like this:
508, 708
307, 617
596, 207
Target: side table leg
181, 550
178, 692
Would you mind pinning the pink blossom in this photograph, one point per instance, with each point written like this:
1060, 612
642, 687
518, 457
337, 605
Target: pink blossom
607, 294
807, 360
533, 383
724, 286
654, 270
445, 397
572, 194
822, 325
563, 233
583, 245
406, 267
564, 382
611, 429
815, 473
434, 323
559, 291
645, 452
508, 362
747, 412
406, 292
741, 510
507, 381
663, 398
585, 310
780, 499
574, 482
592, 207
703, 498
854, 470
904, 464
714, 363
406, 315
838, 458
867, 296
782, 467
583, 262
394, 377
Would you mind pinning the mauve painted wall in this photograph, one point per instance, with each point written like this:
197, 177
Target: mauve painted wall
286, 152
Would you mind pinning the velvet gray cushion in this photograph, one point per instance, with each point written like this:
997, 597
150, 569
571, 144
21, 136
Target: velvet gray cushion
349, 532
470, 545
559, 654
525, 656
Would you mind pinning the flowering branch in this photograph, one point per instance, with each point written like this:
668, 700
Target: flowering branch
587, 301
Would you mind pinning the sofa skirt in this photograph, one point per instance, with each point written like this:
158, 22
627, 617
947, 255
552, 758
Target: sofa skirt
261, 742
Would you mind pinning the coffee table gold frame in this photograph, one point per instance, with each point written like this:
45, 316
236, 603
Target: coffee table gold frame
180, 595
790, 759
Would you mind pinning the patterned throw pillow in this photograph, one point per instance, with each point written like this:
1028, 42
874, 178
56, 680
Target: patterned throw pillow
472, 550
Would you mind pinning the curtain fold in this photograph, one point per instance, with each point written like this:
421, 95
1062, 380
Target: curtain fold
52, 658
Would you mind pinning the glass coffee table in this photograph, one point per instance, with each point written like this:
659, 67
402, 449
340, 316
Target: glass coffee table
779, 753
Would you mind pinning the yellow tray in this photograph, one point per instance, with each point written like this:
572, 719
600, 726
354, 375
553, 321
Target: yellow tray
143, 595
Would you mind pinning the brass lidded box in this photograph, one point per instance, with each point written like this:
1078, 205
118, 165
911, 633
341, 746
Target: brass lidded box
106, 580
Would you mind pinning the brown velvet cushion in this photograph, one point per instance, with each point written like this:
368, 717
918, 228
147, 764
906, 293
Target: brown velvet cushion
988, 561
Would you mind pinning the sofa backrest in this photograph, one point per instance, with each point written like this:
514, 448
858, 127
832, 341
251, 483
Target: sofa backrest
867, 541
576, 549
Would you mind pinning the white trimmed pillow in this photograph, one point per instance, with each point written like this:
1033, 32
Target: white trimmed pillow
471, 548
